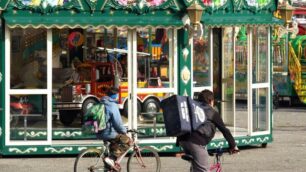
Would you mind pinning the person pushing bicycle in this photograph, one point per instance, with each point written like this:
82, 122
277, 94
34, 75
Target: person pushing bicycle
195, 143
115, 132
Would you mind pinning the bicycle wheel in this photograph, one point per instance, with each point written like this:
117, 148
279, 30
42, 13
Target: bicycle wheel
146, 159
89, 160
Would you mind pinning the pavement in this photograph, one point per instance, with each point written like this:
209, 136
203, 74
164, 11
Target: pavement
286, 153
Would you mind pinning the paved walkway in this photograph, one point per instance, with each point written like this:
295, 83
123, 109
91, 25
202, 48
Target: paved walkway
286, 153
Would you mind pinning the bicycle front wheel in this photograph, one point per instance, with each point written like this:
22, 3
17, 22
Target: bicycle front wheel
144, 159
89, 160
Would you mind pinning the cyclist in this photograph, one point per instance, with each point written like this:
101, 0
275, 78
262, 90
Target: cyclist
195, 143
114, 132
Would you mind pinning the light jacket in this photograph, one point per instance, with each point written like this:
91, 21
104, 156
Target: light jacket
114, 124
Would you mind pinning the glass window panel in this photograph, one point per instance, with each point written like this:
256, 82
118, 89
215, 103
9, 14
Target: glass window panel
155, 71
280, 63
28, 58
153, 59
87, 62
152, 122
260, 54
228, 76
241, 78
28, 117
260, 109
201, 60
241, 51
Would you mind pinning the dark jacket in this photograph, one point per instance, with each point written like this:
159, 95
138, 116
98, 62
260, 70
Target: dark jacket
205, 133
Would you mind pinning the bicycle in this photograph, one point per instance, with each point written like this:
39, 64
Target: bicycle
141, 158
215, 167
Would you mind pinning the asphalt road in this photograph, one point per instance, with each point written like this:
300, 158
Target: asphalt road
286, 153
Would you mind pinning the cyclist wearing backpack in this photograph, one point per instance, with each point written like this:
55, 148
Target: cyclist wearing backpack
114, 132
195, 143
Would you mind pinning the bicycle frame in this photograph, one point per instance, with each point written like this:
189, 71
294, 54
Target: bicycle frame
135, 160
216, 167
133, 148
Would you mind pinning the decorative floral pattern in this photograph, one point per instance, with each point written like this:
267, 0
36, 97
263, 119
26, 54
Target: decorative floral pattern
148, 3
44, 2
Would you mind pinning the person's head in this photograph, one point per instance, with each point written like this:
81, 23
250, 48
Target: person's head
206, 96
113, 92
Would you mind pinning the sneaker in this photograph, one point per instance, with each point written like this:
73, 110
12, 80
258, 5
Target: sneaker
109, 162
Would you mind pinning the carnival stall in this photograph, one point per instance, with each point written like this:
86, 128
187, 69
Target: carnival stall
58, 58
289, 58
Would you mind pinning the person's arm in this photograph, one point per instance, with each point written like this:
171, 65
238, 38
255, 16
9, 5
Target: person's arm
225, 131
117, 121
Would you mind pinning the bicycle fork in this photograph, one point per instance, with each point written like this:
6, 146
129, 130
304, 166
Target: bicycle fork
139, 158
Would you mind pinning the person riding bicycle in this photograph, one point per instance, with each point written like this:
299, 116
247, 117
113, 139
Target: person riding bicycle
115, 132
195, 143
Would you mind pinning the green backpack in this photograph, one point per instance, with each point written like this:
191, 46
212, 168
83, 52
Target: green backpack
95, 118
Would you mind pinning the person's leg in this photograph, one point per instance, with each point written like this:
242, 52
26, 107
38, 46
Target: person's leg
119, 145
114, 148
199, 154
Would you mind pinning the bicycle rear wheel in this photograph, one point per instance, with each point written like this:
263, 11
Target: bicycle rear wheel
146, 159
89, 160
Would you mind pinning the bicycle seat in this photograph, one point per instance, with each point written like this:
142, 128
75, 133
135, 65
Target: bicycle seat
187, 157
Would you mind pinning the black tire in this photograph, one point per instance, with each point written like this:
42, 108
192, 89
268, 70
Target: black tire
149, 157
151, 105
67, 116
126, 109
87, 104
89, 160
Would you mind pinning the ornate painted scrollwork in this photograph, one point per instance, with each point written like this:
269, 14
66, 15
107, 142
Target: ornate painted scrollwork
46, 6
253, 5
142, 6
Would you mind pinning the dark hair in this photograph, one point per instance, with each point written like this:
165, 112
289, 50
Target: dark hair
112, 91
206, 96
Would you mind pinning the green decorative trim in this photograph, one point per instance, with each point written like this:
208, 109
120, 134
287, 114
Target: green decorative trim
142, 6
24, 151
74, 134
67, 133
163, 148
218, 144
60, 150
86, 147
245, 20
92, 4
32, 134
108, 19
185, 75
3, 4
44, 7
160, 147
